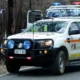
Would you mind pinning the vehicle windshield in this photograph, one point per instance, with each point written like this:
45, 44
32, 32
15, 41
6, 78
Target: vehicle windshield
47, 26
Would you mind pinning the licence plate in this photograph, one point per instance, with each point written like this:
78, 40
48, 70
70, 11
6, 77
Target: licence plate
19, 51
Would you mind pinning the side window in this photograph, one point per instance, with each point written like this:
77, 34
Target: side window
78, 23
74, 29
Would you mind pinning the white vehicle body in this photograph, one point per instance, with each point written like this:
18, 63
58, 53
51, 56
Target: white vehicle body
60, 39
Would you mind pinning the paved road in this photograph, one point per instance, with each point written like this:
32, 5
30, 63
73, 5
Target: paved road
71, 73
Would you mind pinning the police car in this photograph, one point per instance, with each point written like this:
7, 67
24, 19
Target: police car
52, 43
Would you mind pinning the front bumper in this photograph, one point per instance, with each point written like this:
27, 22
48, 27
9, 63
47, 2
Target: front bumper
32, 57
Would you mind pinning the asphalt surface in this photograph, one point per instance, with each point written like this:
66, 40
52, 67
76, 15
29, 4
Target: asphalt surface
71, 73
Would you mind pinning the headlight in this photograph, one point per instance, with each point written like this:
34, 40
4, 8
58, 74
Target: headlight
46, 43
27, 44
10, 44
5, 42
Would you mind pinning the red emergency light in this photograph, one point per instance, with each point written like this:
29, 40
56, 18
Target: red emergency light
76, 3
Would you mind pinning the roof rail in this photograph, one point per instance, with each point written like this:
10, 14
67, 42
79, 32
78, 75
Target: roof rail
69, 17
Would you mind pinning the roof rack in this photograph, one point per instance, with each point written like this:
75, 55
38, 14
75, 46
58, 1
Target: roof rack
68, 17
62, 17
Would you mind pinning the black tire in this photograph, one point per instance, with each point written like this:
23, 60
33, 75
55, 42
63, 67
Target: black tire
58, 66
12, 67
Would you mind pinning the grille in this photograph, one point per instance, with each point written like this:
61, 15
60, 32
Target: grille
18, 41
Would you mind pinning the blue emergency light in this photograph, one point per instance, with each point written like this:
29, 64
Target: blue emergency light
56, 4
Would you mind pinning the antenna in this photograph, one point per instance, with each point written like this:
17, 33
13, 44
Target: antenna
33, 30
33, 17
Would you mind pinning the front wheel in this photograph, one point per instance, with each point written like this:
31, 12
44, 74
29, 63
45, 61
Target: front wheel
12, 67
58, 66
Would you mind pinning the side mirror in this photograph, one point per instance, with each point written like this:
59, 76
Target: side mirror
72, 32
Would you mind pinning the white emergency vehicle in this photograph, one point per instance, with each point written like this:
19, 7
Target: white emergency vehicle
52, 43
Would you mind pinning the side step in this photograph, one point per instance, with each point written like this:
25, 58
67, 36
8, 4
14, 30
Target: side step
74, 63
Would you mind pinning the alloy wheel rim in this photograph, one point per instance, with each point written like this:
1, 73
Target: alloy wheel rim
61, 64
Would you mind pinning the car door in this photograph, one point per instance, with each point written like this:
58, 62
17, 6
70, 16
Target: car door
74, 34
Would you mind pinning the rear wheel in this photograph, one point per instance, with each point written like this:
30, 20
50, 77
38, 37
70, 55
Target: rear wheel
12, 67
58, 66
